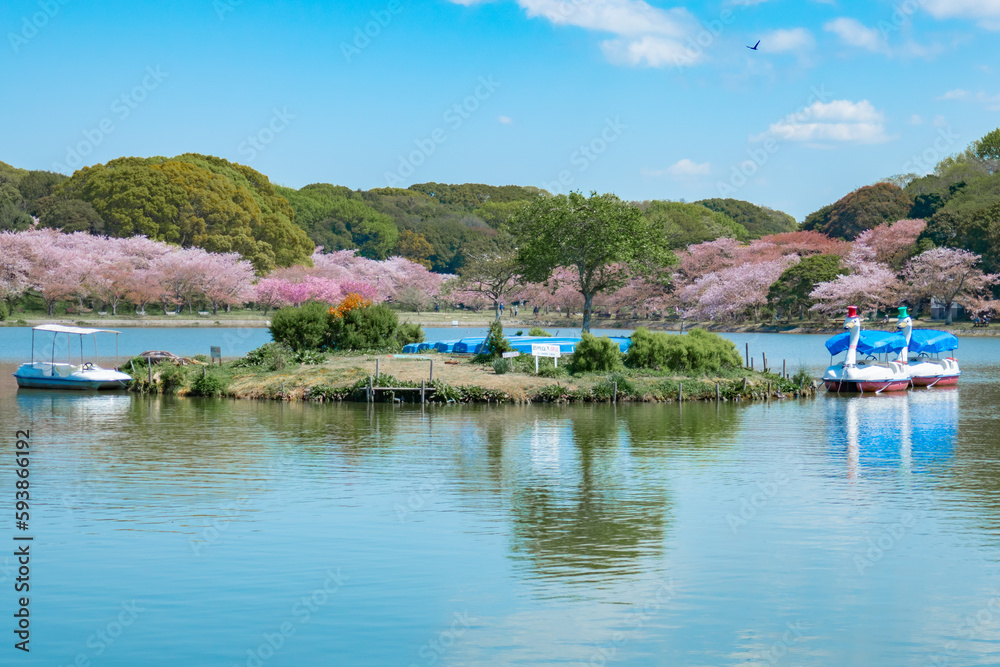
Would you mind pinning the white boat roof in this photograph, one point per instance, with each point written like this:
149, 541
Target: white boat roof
58, 328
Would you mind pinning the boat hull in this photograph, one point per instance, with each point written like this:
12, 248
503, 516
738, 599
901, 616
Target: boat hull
935, 381
42, 375
874, 386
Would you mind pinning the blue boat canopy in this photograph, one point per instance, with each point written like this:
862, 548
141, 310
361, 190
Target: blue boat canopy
932, 340
869, 342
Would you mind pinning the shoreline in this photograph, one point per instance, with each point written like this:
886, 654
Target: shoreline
476, 322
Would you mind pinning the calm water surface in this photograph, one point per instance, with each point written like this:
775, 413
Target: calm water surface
831, 531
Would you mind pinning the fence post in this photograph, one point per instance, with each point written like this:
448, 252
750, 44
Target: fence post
421, 392
784, 368
748, 355
764, 356
680, 392
614, 392
432, 371
376, 367
718, 393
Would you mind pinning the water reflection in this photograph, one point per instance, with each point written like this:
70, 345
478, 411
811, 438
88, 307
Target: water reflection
908, 431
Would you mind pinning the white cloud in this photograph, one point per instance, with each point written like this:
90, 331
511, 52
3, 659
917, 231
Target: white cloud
506, 120
854, 33
681, 169
782, 40
940, 121
915, 119
986, 12
688, 167
839, 121
991, 102
644, 35
957, 94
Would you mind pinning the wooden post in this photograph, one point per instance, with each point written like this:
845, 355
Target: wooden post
150, 367
744, 384
204, 372
376, 367
784, 368
769, 390
421, 392
371, 389
614, 391
764, 356
432, 371
718, 392
680, 392
749, 363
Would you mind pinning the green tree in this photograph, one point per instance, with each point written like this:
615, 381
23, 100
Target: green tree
757, 220
988, 149
414, 247
686, 224
70, 215
791, 290
603, 239
865, 208
492, 271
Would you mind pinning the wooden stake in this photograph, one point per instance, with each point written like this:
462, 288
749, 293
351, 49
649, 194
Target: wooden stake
614, 391
784, 368
718, 392
432, 371
764, 355
376, 368
749, 363
421, 392
680, 391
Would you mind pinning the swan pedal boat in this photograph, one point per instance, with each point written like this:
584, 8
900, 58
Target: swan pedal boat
865, 376
924, 370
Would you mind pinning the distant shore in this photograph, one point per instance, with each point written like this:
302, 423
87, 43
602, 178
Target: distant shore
483, 319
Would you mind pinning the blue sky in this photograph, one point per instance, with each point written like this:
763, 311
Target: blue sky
649, 100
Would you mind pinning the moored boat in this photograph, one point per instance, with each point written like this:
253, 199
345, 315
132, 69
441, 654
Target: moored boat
67, 375
924, 370
869, 375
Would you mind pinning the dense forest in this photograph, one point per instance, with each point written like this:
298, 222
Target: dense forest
202, 201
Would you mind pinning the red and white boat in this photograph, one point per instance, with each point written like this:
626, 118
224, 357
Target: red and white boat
924, 370
870, 375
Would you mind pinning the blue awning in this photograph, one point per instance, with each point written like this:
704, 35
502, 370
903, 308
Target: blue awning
870, 342
932, 340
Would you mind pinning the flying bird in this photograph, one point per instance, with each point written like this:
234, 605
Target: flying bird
754, 47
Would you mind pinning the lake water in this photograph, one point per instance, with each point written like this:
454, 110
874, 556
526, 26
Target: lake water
828, 531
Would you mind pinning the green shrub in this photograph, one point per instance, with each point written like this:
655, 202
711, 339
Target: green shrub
301, 328
208, 385
538, 331
698, 351
801, 378
410, 332
367, 328
501, 366
309, 357
495, 344
596, 354
201, 357
171, 377
269, 357
4, 311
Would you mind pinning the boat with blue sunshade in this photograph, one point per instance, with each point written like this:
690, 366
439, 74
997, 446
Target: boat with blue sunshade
59, 375
924, 370
869, 374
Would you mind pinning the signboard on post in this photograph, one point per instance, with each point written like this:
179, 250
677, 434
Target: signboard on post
545, 350
216, 354
509, 355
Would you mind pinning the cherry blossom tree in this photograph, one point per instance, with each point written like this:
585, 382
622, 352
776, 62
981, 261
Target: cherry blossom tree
229, 280
889, 244
948, 275
14, 266
268, 293
869, 286
738, 291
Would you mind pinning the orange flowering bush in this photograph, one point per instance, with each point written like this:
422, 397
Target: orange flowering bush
351, 302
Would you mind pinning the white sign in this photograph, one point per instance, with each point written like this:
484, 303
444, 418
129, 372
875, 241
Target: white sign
454, 323
545, 350
508, 355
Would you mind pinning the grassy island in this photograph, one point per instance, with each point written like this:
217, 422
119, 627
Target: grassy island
305, 364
